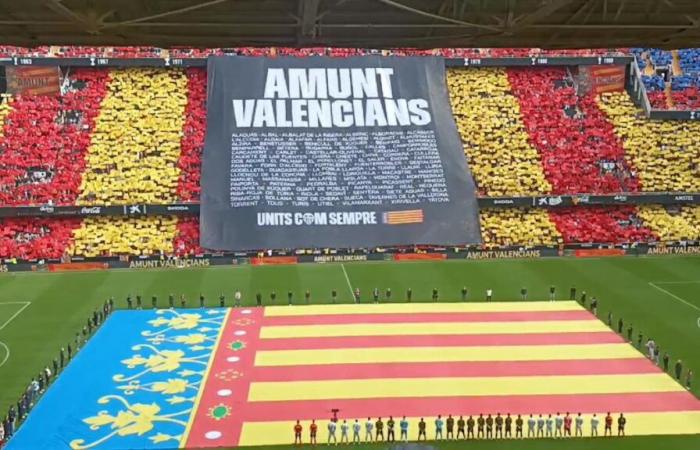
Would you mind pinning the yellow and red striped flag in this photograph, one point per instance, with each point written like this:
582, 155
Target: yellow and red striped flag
276, 365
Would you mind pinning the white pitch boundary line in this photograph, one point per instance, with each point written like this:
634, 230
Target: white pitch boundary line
674, 296
7, 322
347, 278
677, 282
2, 344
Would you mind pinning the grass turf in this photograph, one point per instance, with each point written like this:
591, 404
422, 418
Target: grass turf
658, 295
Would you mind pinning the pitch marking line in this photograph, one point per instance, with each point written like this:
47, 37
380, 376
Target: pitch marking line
347, 278
2, 344
678, 282
674, 296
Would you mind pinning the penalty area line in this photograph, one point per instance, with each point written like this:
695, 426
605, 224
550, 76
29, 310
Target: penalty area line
671, 294
2, 344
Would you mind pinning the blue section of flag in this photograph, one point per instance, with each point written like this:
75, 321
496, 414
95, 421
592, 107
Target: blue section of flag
133, 386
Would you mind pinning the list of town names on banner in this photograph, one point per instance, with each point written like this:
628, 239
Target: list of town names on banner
330, 169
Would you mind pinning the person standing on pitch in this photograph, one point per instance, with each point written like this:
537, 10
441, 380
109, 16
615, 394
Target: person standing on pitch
489, 294
379, 427
421, 430
621, 422
552, 294
620, 326
572, 293
594, 426
258, 299
460, 428
356, 427
237, 298
666, 359
629, 333
540, 426
154, 302
222, 300
549, 422
289, 298
678, 369
357, 295
531, 426
307, 296
171, 301
390, 437
183, 301
297, 433
344, 432
388, 294
369, 426
334, 296
464, 293
409, 294
138, 302
313, 431
438, 427
509, 425
273, 296
470, 428
129, 303
583, 298
201, 300
404, 429
499, 426
594, 306
331, 432
489, 427
435, 294
519, 427
450, 426
688, 379
375, 295
608, 425
523, 293
567, 425
579, 425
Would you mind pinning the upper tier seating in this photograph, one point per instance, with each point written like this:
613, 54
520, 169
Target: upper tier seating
665, 154
44, 141
495, 141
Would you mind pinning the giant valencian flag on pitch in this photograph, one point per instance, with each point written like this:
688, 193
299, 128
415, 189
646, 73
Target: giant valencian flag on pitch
219, 378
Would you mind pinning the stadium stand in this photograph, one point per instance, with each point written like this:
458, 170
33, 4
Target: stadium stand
495, 141
45, 139
192, 141
665, 154
672, 224
35, 238
577, 145
143, 112
617, 224
105, 236
517, 227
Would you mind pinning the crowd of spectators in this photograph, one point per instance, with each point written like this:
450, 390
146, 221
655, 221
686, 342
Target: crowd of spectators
135, 146
613, 224
672, 223
496, 143
45, 139
192, 141
35, 238
665, 154
112, 236
672, 78
576, 143
517, 227
155, 52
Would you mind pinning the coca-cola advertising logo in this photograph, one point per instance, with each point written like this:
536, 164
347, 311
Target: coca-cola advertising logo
92, 210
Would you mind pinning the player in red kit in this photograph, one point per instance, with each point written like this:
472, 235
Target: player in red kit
297, 433
567, 425
313, 429
608, 424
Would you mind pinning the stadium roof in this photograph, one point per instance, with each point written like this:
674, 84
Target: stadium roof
352, 23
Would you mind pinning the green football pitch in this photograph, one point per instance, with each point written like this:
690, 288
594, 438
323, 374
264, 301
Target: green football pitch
660, 296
